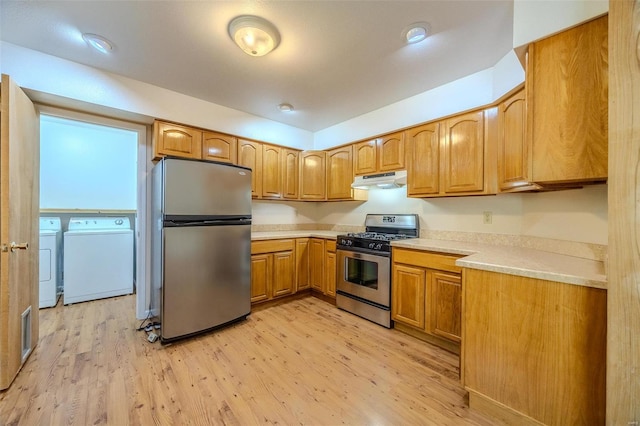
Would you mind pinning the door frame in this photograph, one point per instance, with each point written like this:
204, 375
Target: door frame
143, 284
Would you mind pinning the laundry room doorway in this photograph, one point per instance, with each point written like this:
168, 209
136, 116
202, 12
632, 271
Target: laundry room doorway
93, 191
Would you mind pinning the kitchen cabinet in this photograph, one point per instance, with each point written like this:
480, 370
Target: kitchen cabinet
423, 160
176, 140
290, 180
427, 296
454, 157
219, 147
383, 154
317, 264
271, 171
250, 155
330, 268
313, 184
340, 175
534, 349
273, 269
565, 123
302, 264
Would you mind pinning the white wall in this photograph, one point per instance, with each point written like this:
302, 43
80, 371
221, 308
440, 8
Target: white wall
283, 212
45, 73
536, 19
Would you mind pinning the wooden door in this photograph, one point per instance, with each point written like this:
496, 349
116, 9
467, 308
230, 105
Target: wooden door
284, 273
313, 185
271, 171
219, 147
408, 295
176, 140
302, 263
423, 160
365, 157
316, 264
19, 208
250, 155
445, 305
290, 172
340, 173
261, 274
463, 153
391, 154
514, 156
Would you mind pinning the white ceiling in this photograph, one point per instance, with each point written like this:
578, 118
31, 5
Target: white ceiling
337, 59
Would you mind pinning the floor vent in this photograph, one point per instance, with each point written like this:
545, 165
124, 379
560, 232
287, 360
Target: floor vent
26, 333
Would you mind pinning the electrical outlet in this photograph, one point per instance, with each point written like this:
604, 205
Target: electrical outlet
487, 217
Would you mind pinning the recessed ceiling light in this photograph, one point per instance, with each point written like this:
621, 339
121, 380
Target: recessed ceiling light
99, 43
415, 32
285, 107
254, 35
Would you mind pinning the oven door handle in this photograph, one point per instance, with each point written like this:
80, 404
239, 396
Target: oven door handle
362, 253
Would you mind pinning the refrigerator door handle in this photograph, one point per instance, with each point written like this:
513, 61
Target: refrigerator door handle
222, 222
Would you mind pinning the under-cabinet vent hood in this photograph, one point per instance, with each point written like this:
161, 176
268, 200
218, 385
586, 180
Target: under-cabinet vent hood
381, 180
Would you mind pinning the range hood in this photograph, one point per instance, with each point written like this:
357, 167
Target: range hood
381, 180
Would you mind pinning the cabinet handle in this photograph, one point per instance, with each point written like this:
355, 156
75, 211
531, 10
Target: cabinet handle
22, 246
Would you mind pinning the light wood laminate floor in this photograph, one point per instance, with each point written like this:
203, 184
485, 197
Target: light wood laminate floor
303, 362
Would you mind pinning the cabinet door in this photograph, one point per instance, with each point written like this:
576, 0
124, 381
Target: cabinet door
408, 295
463, 153
391, 154
219, 147
313, 175
423, 171
302, 263
284, 273
316, 264
444, 305
290, 173
261, 273
339, 173
567, 90
330, 273
513, 153
176, 140
365, 157
250, 155
271, 171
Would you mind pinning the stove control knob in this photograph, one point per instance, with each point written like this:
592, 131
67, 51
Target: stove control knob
378, 246
372, 246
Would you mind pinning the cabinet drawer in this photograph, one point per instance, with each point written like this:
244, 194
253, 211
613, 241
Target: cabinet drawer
426, 259
272, 246
330, 245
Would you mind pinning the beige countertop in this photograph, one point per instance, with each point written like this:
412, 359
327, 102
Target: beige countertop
517, 261
276, 235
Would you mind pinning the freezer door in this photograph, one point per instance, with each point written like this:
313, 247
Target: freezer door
206, 279
198, 188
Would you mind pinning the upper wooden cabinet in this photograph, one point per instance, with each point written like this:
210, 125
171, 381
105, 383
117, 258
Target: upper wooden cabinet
423, 160
219, 147
313, 185
290, 173
514, 154
271, 171
340, 175
173, 139
383, 154
566, 127
250, 155
453, 157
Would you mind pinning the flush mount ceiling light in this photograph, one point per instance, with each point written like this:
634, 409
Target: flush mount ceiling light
99, 43
254, 35
415, 32
285, 107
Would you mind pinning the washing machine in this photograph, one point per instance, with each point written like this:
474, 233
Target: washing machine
98, 258
50, 261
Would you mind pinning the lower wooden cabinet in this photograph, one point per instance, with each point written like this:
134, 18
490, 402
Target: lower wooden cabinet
316, 264
427, 295
330, 268
273, 269
302, 264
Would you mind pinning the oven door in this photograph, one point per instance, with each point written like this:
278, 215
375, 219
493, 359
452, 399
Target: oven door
364, 275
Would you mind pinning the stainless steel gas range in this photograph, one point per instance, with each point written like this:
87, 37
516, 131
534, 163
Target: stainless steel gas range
364, 265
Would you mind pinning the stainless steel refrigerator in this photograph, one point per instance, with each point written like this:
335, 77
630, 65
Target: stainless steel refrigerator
201, 246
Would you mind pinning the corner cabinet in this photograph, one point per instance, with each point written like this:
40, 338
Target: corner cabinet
313, 185
453, 157
427, 296
176, 140
340, 175
555, 133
